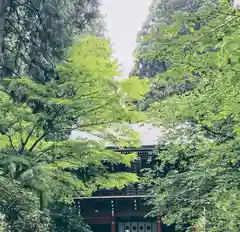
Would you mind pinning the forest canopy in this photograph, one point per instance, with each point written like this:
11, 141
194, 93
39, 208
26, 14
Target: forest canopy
199, 105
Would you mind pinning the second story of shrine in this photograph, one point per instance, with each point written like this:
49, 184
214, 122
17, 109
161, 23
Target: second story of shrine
145, 160
149, 136
120, 205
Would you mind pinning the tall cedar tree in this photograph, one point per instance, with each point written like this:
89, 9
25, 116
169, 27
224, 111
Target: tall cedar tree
34, 34
147, 66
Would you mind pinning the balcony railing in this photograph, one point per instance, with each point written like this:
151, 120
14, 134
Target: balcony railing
133, 190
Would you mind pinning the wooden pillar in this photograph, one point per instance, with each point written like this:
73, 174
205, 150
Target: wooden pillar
159, 224
113, 226
113, 217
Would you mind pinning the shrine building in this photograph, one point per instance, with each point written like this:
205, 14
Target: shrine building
125, 210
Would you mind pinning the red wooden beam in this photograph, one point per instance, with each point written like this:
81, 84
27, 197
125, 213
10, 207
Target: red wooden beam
113, 217
113, 226
98, 220
130, 214
159, 225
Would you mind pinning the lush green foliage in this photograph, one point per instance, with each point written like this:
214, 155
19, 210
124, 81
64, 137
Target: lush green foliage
200, 157
20, 212
36, 119
84, 96
21, 208
148, 66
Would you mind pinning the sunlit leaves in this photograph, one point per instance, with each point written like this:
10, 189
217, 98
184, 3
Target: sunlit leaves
36, 119
134, 88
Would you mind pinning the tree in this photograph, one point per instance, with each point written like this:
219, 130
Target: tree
2, 24
160, 13
35, 34
21, 208
199, 162
151, 66
36, 119
65, 218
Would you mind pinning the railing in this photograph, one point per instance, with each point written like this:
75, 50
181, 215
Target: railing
133, 190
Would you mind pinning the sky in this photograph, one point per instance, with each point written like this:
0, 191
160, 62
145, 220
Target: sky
124, 19
237, 2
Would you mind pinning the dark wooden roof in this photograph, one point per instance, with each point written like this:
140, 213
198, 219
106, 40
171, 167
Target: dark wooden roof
133, 149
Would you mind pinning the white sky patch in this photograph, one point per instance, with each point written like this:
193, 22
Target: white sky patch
237, 2
124, 19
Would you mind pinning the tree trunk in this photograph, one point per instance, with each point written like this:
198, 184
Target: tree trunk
43, 200
2, 25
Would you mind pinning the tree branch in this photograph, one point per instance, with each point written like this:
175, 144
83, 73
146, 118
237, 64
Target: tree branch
24, 40
45, 133
96, 124
223, 137
37, 141
92, 110
9, 69
11, 143
21, 136
43, 152
27, 139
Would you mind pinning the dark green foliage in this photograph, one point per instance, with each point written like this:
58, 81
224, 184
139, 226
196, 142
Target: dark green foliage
37, 34
21, 208
66, 219
160, 13
200, 155
150, 40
